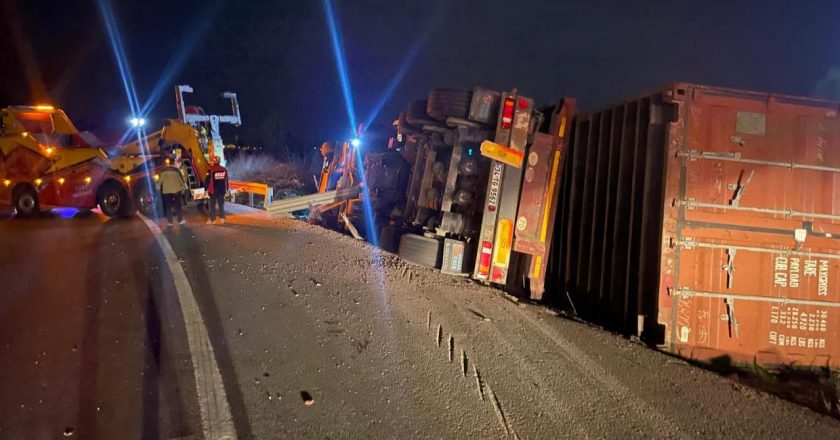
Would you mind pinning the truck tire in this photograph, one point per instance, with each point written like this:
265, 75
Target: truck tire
25, 201
415, 115
113, 200
448, 103
420, 250
404, 126
147, 200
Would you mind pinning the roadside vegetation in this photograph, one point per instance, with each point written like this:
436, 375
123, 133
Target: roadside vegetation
290, 176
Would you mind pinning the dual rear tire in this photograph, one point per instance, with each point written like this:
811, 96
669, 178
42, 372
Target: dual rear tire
147, 200
113, 200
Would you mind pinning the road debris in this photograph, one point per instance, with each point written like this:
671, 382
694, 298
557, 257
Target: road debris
307, 398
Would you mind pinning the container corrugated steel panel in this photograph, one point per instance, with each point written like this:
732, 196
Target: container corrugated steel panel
708, 220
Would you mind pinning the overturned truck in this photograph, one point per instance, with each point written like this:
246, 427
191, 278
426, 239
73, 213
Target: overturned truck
482, 192
702, 219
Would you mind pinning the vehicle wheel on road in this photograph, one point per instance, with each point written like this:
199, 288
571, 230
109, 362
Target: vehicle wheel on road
420, 250
448, 103
25, 201
416, 115
113, 200
146, 200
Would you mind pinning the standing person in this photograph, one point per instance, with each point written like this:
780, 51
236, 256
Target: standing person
217, 187
171, 184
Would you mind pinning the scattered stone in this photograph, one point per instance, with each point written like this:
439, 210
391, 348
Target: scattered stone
307, 398
68, 431
241, 332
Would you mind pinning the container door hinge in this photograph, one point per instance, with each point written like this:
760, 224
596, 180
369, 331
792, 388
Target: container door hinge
741, 187
729, 267
734, 329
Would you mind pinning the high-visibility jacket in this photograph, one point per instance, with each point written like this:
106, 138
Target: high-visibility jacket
170, 181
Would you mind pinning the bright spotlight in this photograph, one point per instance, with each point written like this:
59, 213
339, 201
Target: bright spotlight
137, 122
355, 142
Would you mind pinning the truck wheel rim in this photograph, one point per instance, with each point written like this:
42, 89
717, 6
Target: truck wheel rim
26, 203
112, 200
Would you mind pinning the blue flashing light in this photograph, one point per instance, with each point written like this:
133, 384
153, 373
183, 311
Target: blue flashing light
355, 142
341, 65
65, 213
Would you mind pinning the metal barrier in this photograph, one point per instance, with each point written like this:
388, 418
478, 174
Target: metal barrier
287, 206
251, 189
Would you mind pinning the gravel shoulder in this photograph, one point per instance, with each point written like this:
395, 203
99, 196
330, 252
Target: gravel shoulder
390, 350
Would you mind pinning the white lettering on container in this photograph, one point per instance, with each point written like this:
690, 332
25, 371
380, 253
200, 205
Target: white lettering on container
793, 280
780, 277
810, 268
785, 320
822, 281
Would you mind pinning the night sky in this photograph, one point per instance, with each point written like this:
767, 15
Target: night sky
277, 56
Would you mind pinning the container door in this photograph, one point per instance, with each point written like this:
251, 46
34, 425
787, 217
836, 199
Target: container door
757, 242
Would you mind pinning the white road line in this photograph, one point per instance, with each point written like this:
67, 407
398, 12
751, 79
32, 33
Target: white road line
216, 419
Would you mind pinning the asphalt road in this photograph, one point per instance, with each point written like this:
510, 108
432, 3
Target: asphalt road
91, 341
320, 336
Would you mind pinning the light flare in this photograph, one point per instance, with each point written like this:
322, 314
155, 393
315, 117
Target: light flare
340, 63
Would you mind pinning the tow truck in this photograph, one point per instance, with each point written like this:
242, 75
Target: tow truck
45, 161
194, 139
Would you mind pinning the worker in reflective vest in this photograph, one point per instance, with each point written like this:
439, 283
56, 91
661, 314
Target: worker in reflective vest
171, 185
